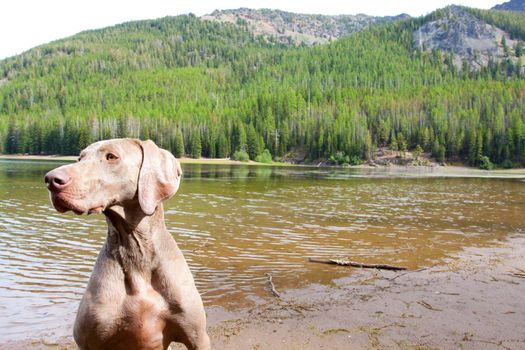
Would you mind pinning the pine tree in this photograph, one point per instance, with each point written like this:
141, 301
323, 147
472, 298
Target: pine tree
238, 137
518, 49
222, 146
196, 144
418, 151
253, 146
393, 144
479, 147
472, 148
178, 150
402, 144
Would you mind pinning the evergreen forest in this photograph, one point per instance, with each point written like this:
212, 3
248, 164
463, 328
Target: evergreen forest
208, 89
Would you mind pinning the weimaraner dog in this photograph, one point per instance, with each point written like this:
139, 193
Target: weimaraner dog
141, 294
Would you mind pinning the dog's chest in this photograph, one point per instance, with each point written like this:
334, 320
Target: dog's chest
145, 302
143, 319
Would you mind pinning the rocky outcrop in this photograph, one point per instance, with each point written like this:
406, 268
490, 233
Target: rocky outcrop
296, 28
512, 5
465, 36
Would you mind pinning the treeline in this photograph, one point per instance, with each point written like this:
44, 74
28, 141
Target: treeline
202, 88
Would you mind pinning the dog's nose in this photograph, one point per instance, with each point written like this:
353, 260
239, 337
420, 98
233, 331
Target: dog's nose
57, 180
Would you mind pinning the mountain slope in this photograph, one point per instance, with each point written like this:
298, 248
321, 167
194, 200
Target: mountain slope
204, 88
512, 5
465, 36
296, 28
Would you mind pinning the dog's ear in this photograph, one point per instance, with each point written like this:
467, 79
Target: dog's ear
159, 177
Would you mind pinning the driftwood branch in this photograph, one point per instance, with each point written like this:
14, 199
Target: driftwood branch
344, 262
428, 306
272, 287
406, 273
517, 274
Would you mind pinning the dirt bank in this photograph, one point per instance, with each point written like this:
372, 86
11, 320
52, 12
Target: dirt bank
470, 301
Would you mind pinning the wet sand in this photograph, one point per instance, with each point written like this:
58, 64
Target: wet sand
472, 301
469, 301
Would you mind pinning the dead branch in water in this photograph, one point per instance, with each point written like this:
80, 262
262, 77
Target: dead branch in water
344, 262
272, 287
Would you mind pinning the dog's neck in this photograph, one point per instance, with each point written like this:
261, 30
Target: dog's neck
131, 234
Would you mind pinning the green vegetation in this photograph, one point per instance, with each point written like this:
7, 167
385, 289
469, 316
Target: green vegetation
202, 88
339, 158
264, 157
418, 151
241, 156
485, 163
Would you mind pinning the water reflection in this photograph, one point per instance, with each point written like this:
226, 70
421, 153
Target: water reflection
234, 223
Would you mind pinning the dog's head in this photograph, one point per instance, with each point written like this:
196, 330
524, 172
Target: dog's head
115, 172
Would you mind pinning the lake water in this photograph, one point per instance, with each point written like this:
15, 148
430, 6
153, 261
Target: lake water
236, 223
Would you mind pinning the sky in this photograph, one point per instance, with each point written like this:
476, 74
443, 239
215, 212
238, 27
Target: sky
28, 23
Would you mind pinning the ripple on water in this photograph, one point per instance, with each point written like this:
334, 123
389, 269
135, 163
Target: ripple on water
236, 224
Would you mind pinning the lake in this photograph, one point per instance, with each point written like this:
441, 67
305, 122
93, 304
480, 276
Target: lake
235, 223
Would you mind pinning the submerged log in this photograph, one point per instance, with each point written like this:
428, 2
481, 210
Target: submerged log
345, 262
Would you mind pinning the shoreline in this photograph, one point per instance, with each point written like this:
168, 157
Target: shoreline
469, 300
183, 160
386, 170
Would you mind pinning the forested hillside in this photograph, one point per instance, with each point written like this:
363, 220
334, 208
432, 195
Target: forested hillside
203, 88
512, 5
298, 28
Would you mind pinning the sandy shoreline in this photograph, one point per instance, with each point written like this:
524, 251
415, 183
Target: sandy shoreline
391, 170
469, 301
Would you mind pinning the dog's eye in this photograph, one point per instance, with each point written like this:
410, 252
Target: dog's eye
111, 156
